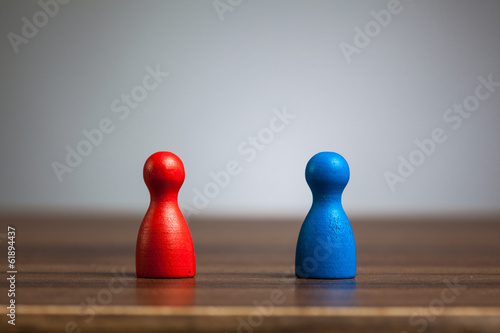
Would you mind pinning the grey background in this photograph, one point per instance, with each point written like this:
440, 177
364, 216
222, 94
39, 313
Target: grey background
226, 78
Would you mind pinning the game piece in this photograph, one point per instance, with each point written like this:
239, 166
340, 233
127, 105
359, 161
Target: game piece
164, 244
326, 247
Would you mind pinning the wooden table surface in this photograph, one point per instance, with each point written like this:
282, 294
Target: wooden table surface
419, 274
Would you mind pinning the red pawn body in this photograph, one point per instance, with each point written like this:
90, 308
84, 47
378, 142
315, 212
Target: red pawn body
164, 244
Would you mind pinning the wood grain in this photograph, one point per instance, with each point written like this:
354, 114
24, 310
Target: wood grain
76, 273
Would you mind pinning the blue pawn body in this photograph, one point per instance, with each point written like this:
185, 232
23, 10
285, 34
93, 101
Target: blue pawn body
326, 247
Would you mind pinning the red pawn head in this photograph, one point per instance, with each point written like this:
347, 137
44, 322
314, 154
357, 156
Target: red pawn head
163, 174
164, 244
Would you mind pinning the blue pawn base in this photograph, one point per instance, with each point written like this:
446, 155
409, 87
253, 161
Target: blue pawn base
323, 254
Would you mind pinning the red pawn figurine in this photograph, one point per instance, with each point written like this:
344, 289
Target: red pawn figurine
164, 244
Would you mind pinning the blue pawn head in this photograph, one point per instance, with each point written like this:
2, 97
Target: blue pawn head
326, 248
327, 173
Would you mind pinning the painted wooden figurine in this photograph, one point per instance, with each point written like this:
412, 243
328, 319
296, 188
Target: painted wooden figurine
164, 244
326, 247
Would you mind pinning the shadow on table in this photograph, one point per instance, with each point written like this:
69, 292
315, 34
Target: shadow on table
172, 292
315, 292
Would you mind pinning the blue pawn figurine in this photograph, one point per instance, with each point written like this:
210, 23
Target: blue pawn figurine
326, 247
